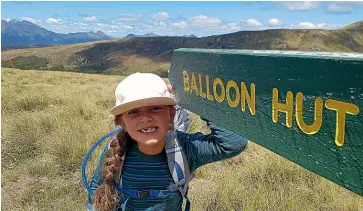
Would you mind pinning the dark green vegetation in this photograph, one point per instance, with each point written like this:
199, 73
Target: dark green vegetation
31, 62
113, 57
26, 63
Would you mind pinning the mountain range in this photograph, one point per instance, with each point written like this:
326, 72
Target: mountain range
145, 35
24, 33
126, 55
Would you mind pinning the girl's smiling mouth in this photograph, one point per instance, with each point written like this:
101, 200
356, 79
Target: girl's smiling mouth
148, 129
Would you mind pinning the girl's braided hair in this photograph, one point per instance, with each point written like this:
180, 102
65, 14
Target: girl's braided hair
106, 197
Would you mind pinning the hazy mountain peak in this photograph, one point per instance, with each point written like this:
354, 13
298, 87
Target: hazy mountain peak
23, 33
17, 21
150, 34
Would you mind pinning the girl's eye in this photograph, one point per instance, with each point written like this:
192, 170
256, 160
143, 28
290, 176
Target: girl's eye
155, 108
134, 111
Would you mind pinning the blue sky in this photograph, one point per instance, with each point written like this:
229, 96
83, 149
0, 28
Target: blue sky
204, 18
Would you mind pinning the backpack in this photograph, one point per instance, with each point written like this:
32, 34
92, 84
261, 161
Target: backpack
177, 162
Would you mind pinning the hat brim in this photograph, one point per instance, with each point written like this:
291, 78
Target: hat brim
141, 103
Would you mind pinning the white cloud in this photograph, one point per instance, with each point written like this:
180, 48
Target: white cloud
7, 19
75, 24
53, 20
340, 8
160, 16
160, 23
128, 18
102, 24
146, 26
304, 5
31, 20
181, 24
90, 18
234, 26
273, 22
321, 25
128, 27
306, 25
105, 26
125, 19
309, 25
204, 21
253, 22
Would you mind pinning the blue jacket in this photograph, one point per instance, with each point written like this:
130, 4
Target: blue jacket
142, 172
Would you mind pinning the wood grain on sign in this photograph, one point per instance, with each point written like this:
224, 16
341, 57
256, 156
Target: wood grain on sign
304, 106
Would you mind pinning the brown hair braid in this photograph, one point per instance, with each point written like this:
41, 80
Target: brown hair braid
106, 196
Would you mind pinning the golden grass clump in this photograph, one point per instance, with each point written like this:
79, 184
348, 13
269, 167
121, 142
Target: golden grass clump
51, 119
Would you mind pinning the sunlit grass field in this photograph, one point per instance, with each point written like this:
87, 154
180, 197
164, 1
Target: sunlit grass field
51, 119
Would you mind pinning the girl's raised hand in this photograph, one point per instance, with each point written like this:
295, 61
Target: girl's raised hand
170, 88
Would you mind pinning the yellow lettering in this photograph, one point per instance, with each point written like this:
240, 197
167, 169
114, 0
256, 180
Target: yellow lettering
341, 108
287, 108
251, 99
201, 93
193, 85
232, 103
318, 115
186, 80
209, 96
219, 98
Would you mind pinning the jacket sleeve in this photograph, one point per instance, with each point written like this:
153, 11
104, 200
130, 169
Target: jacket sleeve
96, 179
219, 145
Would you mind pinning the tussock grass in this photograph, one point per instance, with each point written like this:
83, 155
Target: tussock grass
51, 119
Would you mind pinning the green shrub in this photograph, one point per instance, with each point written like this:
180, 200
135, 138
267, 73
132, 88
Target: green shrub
28, 63
58, 68
6, 63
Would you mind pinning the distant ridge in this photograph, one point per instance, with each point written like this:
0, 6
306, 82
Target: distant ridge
192, 35
356, 27
24, 33
131, 35
126, 53
145, 35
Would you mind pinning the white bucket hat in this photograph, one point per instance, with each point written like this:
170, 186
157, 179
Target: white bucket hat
141, 89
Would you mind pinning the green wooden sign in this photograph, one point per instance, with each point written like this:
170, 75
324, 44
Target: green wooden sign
304, 106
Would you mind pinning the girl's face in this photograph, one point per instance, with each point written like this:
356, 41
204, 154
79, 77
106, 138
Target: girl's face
149, 124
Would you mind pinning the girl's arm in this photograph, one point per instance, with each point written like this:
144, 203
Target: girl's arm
219, 145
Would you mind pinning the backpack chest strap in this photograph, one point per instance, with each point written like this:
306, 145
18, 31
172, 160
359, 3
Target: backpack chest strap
136, 194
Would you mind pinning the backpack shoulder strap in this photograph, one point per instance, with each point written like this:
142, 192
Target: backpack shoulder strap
89, 153
177, 162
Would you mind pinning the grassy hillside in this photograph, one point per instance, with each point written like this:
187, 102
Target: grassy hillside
123, 56
51, 119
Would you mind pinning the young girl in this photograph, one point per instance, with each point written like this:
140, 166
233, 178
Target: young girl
145, 110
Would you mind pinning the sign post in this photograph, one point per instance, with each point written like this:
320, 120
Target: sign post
304, 106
